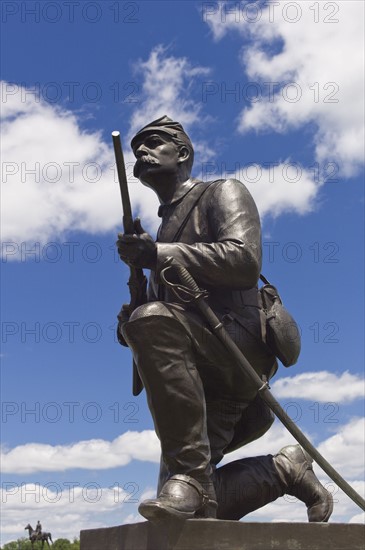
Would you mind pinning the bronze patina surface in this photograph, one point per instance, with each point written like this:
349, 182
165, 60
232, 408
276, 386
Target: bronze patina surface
202, 404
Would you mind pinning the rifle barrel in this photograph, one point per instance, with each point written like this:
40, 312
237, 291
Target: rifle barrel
123, 185
137, 281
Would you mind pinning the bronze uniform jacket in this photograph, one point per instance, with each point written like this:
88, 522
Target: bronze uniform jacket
215, 233
218, 241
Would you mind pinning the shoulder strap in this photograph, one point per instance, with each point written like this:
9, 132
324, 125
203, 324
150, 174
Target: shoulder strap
199, 191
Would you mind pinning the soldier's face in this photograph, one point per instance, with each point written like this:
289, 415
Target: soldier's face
155, 153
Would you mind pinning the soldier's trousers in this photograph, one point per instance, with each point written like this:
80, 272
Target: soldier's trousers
197, 393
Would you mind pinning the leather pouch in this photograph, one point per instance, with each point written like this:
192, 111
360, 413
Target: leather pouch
279, 330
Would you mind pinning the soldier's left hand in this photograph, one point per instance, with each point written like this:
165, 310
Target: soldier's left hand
137, 250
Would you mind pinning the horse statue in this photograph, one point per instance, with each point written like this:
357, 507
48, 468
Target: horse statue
35, 536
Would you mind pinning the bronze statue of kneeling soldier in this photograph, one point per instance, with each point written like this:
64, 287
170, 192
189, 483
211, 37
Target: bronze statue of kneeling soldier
201, 403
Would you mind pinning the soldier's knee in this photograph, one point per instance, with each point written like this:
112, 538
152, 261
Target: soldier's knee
147, 324
150, 309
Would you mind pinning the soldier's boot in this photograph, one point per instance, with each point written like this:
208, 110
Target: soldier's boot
181, 498
294, 466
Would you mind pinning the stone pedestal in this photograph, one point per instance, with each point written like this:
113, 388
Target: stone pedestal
211, 534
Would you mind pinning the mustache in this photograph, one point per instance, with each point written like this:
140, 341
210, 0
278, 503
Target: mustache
147, 159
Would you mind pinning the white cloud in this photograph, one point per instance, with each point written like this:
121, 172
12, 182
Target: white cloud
283, 187
165, 90
321, 386
166, 84
82, 506
346, 449
94, 454
74, 186
325, 61
358, 518
270, 443
285, 509
61, 195
65, 508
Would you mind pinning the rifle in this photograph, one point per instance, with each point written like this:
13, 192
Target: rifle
137, 281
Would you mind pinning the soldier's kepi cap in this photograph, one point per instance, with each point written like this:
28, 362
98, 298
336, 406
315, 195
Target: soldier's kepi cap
167, 126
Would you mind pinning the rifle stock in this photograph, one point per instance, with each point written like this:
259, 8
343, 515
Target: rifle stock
137, 282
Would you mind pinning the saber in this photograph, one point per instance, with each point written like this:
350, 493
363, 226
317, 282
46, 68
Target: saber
137, 281
197, 295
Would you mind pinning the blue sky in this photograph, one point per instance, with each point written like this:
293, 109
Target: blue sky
269, 93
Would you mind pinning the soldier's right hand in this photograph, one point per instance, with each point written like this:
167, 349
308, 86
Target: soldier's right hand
123, 315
